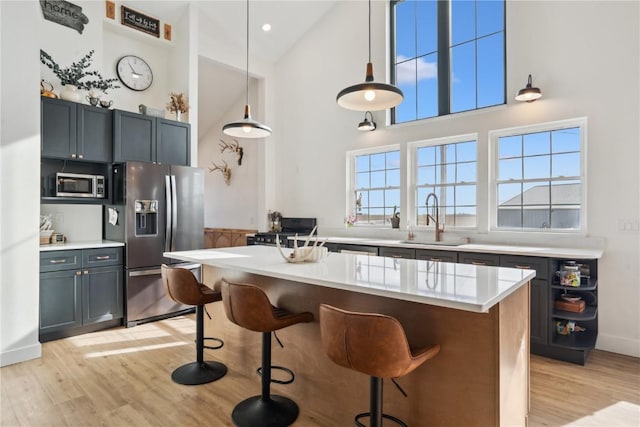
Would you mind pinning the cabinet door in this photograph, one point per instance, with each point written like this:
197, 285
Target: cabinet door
478, 258
60, 260
102, 290
539, 316
397, 252
58, 128
60, 300
134, 137
101, 257
95, 133
436, 255
173, 146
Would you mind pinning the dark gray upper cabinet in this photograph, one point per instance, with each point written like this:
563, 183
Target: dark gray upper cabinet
138, 137
75, 131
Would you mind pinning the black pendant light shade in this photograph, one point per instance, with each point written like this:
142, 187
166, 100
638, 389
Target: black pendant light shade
369, 96
529, 93
247, 127
366, 124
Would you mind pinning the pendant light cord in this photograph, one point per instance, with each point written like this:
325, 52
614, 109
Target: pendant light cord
369, 30
247, 103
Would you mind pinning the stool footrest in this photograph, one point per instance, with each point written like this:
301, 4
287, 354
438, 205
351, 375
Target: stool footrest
210, 347
385, 416
280, 368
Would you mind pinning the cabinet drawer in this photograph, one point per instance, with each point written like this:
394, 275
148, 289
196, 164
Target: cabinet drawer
397, 252
435, 255
540, 265
60, 260
101, 257
478, 258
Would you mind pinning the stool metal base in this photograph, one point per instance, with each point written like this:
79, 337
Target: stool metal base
384, 416
276, 411
195, 373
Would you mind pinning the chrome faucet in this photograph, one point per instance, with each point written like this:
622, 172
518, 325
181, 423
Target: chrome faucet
435, 210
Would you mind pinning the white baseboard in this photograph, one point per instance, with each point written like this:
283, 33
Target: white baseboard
619, 345
18, 355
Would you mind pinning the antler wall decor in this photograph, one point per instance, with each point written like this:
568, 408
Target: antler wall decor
234, 147
226, 171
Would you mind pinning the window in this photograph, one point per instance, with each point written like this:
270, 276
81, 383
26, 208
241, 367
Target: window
448, 56
449, 170
376, 185
538, 177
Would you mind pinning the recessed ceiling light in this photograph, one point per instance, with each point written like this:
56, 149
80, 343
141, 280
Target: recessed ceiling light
266, 27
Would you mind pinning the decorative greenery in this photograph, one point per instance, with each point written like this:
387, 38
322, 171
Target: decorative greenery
178, 103
74, 74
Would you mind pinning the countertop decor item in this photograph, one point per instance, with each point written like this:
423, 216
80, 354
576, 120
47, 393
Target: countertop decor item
529, 93
247, 127
134, 73
306, 253
46, 89
178, 104
76, 75
395, 219
370, 95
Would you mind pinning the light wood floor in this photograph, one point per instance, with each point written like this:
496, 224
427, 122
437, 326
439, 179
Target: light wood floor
121, 377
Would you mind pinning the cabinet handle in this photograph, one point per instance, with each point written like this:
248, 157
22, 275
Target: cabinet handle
73, 156
80, 156
524, 267
102, 257
478, 263
396, 256
57, 261
86, 272
78, 273
435, 259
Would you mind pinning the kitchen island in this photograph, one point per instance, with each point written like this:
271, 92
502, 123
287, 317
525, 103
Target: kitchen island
479, 315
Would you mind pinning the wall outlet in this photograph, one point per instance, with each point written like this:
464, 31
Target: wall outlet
627, 225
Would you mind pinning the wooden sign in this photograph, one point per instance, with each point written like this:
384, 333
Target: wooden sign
167, 32
64, 13
140, 21
111, 9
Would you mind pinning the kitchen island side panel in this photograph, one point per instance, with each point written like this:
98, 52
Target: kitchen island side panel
480, 376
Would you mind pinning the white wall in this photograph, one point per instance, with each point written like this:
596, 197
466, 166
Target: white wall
19, 182
583, 55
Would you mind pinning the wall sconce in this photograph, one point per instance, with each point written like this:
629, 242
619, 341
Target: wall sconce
367, 125
529, 93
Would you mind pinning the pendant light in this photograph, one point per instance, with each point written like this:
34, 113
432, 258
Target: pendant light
367, 125
369, 96
247, 127
529, 93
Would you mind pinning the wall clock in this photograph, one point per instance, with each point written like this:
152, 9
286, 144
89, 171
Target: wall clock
134, 72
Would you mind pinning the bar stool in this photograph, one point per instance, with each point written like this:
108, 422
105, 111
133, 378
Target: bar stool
182, 286
373, 344
249, 307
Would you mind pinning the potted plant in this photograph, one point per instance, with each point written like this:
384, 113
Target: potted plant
178, 104
77, 76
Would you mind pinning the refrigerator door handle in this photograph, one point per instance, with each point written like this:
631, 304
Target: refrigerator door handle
174, 210
168, 224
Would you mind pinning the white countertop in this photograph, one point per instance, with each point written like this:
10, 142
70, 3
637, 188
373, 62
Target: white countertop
524, 250
460, 286
90, 244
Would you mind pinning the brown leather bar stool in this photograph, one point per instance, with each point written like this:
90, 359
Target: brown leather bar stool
249, 307
182, 286
373, 344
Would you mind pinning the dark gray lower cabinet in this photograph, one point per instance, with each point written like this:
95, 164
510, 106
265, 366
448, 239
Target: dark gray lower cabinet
407, 253
436, 255
78, 294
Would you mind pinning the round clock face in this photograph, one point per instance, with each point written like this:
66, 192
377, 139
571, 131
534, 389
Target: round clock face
134, 72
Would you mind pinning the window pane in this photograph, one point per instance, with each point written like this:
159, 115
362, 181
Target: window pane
510, 146
392, 197
377, 161
537, 143
563, 140
466, 172
536, 194
364, 199
392, 159
449, 153
466, 151
510, 218
377, 179
449, 196
427, 74
463, 21
536, 217
465, 195
566, 193
510, 194
537, 167
490, 17
393, 178
565, 165
426, 175
463, 77
405, 29
491, 70
450, 173
376, 198
362, 163
427, 27
426, 156
362, 180
465, 217
510, 169
406, 80
565, 217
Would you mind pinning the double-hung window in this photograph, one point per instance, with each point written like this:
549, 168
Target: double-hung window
375, 188
447, 168
448, 56
538, 177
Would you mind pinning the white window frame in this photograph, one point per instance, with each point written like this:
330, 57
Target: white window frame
413, 168
350, 200
494, 136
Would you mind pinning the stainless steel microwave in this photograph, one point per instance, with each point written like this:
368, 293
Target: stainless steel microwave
79, 185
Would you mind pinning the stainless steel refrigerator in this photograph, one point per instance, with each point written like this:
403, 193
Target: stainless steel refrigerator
157, 208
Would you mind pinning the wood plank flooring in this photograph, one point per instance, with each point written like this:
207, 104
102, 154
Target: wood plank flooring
122, 377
